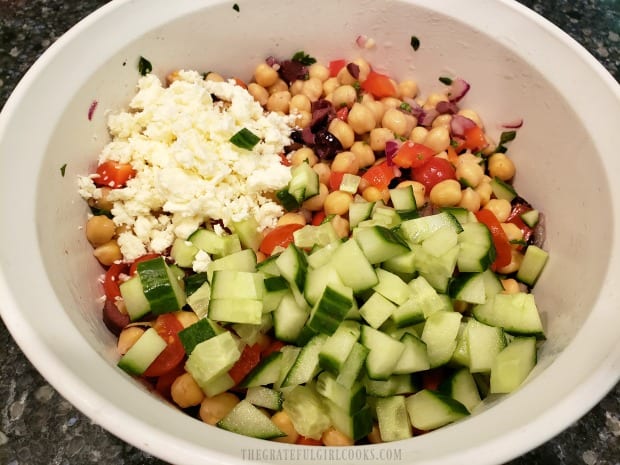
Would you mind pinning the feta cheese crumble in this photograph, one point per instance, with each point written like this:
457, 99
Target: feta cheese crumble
177, 138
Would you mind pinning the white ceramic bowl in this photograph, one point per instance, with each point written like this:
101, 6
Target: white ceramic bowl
519, 66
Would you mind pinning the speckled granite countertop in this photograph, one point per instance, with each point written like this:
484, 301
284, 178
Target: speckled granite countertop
37, 426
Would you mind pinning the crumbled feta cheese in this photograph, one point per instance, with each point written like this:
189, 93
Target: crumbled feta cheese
177, 138
201, 262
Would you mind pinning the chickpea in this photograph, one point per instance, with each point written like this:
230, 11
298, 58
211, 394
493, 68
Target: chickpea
296, 87
446, 193
337, 203
171, 77
407, 89
501, 208
333, 437
99, 230
213, 409
469, 157
279, 86
344, 96
282, 420
364, 68
315, 203
361, 119
343, 132
185, 392
472, 115
377, 109
300, 102
127, 338
438, 139
372, 194
419, 191
374, 437
433, 99
513, 232
469, 173
324, 172
341, 226
391, 102
501, 166
516, 258
215, 77
330, 85
316, 70
378, 138
442, 120
470, 199
484, 190
313, 89
364, 154
397, 122
418, 134
292, 218
108, 253
344, 77
304, 155
303, 119
102, 201
345, 162
279, 101
260, 94
511, 286
265, 75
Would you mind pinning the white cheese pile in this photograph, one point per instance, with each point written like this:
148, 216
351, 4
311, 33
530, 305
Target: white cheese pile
187, 170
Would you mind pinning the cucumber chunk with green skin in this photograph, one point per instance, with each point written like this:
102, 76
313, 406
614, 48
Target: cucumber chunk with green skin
289, 318
199, 300
161, 286
293, 266
353, 366
477, 252
330, 310
307, 363
513, 365
229, 284
484, 342
534, 261
248, 232
353, 267
439, 335
261, 396
418, 229
393, 419
307, 411
429, 410
196, 333
349, 399
248, 420
338, 346
247, 311
183, 252
376, 310
212, 358
214, 244
244, 260
384, 352
217, 385
394, 385
266, 372
403, 198
392, 287
136, 303
468, 287
515, 313
415, 356
358, 212
503, 190
144, 352
379, 243
355, 425
462, 387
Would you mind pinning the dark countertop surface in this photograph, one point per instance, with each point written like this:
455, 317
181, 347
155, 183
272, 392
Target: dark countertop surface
37, 426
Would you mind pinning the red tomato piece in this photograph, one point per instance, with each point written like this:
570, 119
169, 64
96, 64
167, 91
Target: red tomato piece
379, 85
432, 172
305, 441
342, 113
281, 236
164, 382
318, 218
111, 281
133, 269
474, 139
335, 179
335, 66
114, 174
379, 175
250, 357
503, 253
275, 346
432, 379
515, 218
285, 161
168, 327
412, 155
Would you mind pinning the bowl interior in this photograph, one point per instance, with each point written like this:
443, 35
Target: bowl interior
561, 157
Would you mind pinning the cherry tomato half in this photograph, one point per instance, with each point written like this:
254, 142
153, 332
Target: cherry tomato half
111, 281
432, 172
250, 357
412, 155
168, 327
114, 174
144, 258
281, 236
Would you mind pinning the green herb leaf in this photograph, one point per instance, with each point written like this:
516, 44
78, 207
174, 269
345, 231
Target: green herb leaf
507, 136
303, 58
236, 7
144, 66
63, 169
405, 106
415, 43
445, 80
245, 139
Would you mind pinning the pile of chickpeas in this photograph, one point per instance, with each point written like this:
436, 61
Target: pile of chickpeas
369, 125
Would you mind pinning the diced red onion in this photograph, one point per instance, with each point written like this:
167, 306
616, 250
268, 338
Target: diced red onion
427, 117
459, 88
361, 41
354, 70
516, 124
459, 124
415, 109
307, 136
391, 147
444, 107
91, 109
271, 60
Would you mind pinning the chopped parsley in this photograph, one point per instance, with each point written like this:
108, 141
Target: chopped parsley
303, 58
505, 137
415, 43
445, 80
63, 168
144, 66
405, 107
236, 7
245, 139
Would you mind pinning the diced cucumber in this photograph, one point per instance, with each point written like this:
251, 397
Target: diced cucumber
244, 260
248, 232
392, 287
289, 318
293, 264
144, 352
530, 217
477, 251
358, 212
353, 366
194, 281
261, 396
461, 214
401, 265
484, 342
212, 358
403, 198
513, 365
348, 399
418, 229
534, 260
415, 356
306, 365
436, 270
384, 352
439, 335
442, 240
307, 411
322, 255
355, 425
160, 285
350, 183
136, 303
330, 310
218, 384
353, 267
199, 300
317, 279
310, 236
183, 252
266, 372
393, 419
250, 333
462, 387
304, 182
377, 309
196, 333
289, 355
248, 420
275, 287
394, 385
338, 346
516, 313
379, 243
227, 284
503, 190
468, 287
268, 266
248, 311
213, 243
429, 410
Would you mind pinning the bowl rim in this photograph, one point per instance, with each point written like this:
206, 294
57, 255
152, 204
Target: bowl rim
575, 404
